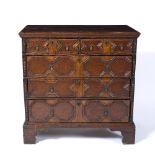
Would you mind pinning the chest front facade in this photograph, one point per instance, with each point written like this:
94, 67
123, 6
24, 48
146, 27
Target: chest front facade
79, 82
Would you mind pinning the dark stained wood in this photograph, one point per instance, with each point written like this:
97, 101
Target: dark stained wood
127, 129
79, 76
75, 31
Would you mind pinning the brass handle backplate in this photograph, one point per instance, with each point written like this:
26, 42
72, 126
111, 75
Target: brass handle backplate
78, 82
78, 103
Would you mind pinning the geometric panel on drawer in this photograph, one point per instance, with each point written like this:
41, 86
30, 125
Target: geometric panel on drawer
61, 87
36, 45
64, 88
37, 65
107, 66
120, 45
93, 88
68, 46
69, 87
44, 66
106, 87
92, 46
51, 110
119, 88
40, 111
106, 46
63, 66
88, 66
106, 110
121, 66
94, 66
52, 46
94, 111
64, 111
119, 110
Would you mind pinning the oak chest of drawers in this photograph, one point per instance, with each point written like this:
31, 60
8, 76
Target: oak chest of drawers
79, 76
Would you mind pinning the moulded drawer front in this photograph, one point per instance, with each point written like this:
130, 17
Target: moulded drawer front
106, 66
58, 110
107, 46
70, 87
55, 66
52, 46
79, 46
62, 87
106, 87
79, 66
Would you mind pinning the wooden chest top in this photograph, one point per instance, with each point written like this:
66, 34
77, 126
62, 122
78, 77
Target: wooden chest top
75, 31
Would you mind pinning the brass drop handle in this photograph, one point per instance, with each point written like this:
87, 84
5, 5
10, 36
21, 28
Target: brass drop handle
121, 47
91, 48
78, 103
106, 88
77, 50
37, 47
51, 89
51, 42
67, 48
78, 82
50, 67
46, 44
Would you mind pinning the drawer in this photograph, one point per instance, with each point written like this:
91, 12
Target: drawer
78, 110
106, 46
76, 46
55, 66
52, 46
106, 87
79, 66
62, 87
69, 87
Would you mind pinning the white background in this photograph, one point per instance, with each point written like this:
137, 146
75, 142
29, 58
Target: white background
15, 14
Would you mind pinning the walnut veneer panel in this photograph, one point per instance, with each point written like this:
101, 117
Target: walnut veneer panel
78, 110
77, 46
79, 66
71, 87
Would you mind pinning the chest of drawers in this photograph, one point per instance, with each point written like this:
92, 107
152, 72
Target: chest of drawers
79, 76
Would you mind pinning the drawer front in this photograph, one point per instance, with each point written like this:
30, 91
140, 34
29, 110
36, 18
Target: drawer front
79, 66
62, 87
75, 46
106, 87
55, 66
78, 110
69, 87
52, 46
106, 46
106, 66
